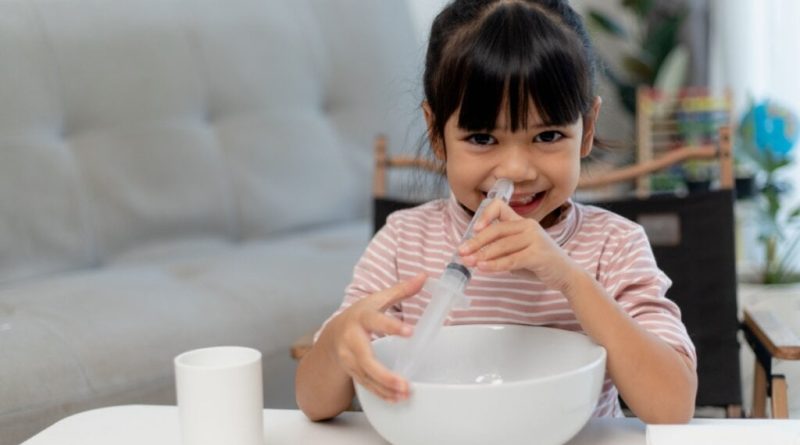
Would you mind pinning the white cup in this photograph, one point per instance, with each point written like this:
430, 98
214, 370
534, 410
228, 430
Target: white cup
220, 399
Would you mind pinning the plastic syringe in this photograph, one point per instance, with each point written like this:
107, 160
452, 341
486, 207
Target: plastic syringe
446, 293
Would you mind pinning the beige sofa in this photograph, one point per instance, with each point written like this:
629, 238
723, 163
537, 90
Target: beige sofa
182, 173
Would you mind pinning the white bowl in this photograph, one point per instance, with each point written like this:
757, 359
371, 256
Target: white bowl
492, 384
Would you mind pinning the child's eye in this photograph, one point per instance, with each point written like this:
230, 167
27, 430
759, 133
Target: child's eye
548, 136
481, 139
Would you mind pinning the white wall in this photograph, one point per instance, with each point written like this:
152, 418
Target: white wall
423, 12
755, 51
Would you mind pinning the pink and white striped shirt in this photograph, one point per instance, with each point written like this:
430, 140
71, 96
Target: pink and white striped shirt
613, 249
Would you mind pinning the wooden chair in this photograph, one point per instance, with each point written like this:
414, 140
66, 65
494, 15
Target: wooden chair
693, 242
692, 238
770, 338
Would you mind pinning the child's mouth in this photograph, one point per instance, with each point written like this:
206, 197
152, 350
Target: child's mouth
525, 204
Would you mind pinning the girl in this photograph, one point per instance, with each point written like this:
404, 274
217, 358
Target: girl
509, 94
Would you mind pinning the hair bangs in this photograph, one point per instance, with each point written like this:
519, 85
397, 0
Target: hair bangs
519, 55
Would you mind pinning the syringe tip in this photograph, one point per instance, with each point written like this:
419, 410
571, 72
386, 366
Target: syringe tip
502, 189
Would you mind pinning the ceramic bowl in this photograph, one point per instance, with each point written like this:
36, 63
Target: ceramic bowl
492, 384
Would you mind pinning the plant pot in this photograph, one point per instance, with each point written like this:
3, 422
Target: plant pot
698, 185
745, 186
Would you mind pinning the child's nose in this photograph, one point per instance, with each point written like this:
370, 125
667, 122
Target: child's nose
514, 164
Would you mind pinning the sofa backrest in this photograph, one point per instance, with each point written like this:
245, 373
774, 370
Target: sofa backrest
124, 123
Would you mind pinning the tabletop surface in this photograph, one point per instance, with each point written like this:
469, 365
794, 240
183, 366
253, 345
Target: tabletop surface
777, 319
158, 425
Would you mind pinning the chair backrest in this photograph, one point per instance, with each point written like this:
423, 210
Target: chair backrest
692, 237
383, 204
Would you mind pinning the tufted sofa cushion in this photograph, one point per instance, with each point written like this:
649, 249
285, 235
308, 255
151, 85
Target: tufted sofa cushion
268, 109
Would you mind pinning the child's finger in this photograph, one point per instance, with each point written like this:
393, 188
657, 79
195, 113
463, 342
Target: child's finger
490, 213
381, 390
361, 353
497, 210
363, 379
383, 324
503, 246
400, 291
510, 262
374, 375
385, 378
484, 237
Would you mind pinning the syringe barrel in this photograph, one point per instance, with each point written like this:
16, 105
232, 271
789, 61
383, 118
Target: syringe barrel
445, 291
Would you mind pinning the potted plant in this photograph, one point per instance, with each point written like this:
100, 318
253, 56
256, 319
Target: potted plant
648, 34
767, 135
745, 179
697, 176
698, 123
657, 56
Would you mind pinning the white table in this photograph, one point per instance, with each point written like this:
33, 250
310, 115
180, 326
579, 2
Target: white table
158, 425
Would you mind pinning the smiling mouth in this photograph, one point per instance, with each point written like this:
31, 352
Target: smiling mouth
525, 204
521, 200
518, 201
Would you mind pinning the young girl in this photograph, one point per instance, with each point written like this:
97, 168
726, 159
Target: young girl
509, 94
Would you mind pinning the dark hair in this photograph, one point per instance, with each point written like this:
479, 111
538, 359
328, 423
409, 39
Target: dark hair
481, 51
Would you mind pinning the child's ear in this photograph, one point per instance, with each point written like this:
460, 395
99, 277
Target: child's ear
589, 126
436, 142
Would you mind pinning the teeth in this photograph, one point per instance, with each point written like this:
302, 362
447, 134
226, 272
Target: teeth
525, 200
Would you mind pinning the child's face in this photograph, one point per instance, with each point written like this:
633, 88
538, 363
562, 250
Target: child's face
543, 161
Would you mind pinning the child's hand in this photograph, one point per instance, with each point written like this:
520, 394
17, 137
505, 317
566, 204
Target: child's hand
350, 333
515, 244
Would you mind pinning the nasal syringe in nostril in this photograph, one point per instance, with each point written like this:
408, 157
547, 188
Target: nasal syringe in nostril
446, 293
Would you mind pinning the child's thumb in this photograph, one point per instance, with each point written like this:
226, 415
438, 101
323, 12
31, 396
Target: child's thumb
401, 290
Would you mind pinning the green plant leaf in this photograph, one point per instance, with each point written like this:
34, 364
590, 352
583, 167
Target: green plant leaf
783, 271
662, 38
673, 71
607, 24
639, 69
627, 96
641, 7
793, 214
781, 162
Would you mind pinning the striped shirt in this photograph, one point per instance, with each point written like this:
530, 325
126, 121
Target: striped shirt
613, 249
